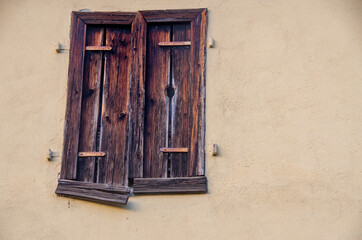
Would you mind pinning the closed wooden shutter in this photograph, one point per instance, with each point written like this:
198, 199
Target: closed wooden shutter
95, 156
135, 111
168, 114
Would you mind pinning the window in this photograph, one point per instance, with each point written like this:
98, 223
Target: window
135, 112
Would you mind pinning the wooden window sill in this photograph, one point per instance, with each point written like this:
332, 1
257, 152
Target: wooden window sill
170, 185
96, 192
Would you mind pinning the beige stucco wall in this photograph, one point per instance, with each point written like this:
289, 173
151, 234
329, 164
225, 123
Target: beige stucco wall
284, 104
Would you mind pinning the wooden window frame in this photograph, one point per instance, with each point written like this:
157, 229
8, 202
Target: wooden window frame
118, 195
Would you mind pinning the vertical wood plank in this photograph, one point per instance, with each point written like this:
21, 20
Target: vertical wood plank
181, 100
157, 103
90, 104
113, 169
137, 97
74, 99
197, 115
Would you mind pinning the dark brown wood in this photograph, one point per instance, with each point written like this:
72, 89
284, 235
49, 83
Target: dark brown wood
157, 101
96, 186
91, 154
174, 43
137, 97
197, 91
170, 185
182, 15
187, 94
97, 192
174, 150
167, 108
74, 99
119, 18
90, 104
98, 48
181, 77
114, 124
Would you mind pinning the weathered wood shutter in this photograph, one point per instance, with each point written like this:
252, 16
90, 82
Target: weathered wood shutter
95, 155
167, 91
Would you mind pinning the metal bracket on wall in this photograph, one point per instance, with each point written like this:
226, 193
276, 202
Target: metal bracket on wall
210, 43
214, 150
59, 48
51, 154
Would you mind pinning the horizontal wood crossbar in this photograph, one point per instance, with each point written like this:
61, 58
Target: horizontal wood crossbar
97, 192
174, 44
170, 185
174, 150
91, 154
179, 15
98, 48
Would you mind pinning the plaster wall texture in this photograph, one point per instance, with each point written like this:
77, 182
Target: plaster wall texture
284, 104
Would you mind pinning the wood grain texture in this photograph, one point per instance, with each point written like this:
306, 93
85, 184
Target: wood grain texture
98, 48
74, 99
174, 150
179, 15
137, 97
141, 113
97, 192
174, 43
157, 102
90, 104
197, 91
170, 185
119, 18
114, 121
180, 117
